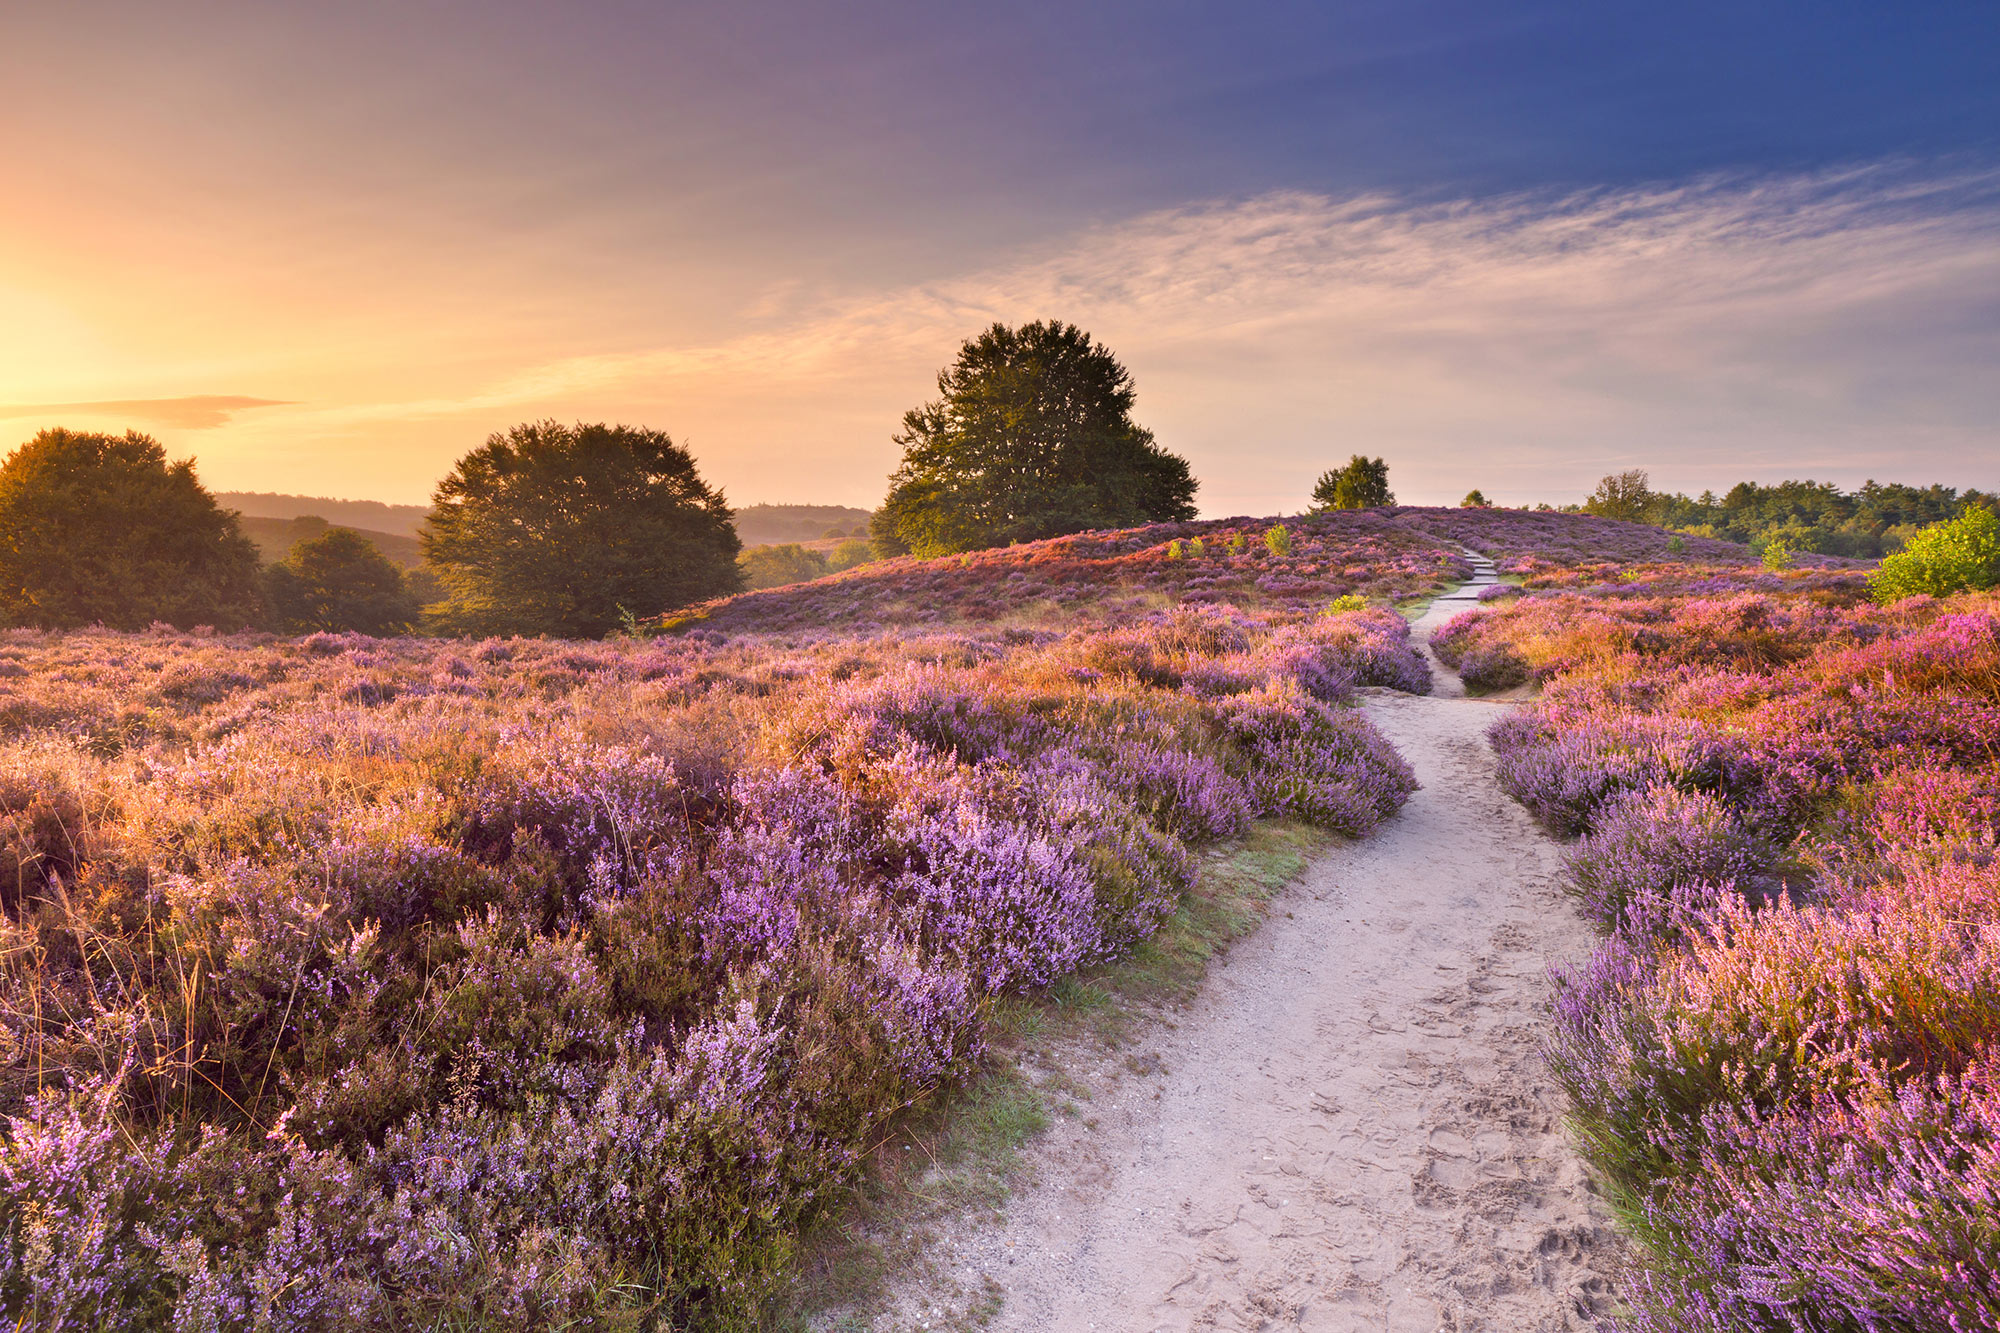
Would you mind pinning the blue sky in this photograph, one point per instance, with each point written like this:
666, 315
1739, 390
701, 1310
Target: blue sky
1512, 246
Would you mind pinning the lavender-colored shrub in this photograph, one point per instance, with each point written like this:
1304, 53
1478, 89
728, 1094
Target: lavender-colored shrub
1790, 1094
1644, 845
403, 983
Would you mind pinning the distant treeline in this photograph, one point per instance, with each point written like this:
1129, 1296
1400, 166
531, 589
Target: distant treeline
1816, 516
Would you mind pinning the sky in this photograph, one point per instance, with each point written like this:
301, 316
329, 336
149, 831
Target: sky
328, 249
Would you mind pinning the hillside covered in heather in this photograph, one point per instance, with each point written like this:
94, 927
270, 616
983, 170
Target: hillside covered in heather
1277, 566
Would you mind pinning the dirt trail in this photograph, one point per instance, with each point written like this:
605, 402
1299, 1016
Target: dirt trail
1351, 1128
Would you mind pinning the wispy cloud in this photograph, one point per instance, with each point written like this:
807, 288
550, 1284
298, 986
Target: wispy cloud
1844, 322
194, 412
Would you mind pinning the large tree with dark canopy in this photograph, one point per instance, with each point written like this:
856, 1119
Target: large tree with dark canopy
1032, 436
564, 530
99, 529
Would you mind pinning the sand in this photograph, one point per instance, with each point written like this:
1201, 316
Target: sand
1351, 1127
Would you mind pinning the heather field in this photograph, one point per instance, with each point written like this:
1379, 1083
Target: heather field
1785, 801
442, 983
1270, 567
420, 983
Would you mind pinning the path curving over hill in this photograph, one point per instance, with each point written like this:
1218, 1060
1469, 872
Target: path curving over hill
1351, 1128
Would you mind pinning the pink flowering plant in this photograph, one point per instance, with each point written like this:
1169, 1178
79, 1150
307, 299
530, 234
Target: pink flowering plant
401, 983
1781, 1058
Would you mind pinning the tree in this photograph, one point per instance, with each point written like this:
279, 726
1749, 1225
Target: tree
565, 530
884, 536
1032, 436
1475, 499
339, 581
775, 566
1627, 495
95, 529
849, 554
1362, 484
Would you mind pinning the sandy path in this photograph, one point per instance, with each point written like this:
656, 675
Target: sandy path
1350, 1129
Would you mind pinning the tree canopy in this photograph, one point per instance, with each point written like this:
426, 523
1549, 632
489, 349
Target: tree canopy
777, 565
1475, 499
1032, 436
1818, 516
1362, 484
102, 529
1628, 495
339, 580
565, 530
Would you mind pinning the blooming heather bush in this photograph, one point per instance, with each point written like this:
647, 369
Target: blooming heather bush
1315, 763
1791, 1094
382, 983
1647, 844
1483, 668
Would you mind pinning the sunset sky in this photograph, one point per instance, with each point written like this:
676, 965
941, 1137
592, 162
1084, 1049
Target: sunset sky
328, 248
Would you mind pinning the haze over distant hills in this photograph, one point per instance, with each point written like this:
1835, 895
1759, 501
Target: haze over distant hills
766, 525
394, 527
369, 515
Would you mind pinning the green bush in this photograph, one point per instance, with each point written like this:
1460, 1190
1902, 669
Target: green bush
849, 554
1278, 541
1949, 557
776, 566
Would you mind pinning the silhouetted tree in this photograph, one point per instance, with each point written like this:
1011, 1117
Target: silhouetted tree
563, 530
339, 580
1627, 495
102, 529
1475, 499
1362, 484
1032, 437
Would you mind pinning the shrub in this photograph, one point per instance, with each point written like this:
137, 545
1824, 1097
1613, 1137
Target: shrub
849, 555
1278, 541
1943, 559
1646, 844
1314, 763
